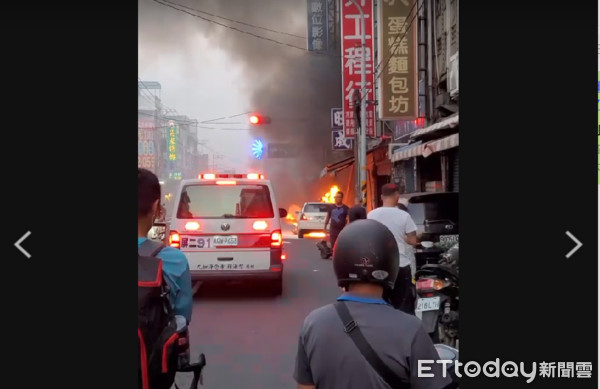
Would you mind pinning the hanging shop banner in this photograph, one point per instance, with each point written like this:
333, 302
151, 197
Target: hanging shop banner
398, 80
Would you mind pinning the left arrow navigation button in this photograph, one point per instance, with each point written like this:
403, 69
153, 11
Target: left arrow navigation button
18, 244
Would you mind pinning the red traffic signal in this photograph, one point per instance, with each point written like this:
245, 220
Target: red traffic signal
257, 119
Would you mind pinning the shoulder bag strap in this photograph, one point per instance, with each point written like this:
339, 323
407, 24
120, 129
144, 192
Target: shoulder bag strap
350, 327
150, 248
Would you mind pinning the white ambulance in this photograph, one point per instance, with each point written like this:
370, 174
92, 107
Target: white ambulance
228, 226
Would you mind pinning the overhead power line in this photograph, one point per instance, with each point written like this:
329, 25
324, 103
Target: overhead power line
235, 21
170, 5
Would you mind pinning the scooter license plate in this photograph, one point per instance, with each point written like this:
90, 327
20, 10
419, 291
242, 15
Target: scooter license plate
428, 304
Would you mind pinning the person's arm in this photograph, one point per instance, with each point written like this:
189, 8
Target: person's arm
411, 239
411, 232
185, 298
302, 373
177, 270
432, 374
327, 218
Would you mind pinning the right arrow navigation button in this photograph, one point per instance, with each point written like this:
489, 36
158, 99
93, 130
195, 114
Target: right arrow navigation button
579, 244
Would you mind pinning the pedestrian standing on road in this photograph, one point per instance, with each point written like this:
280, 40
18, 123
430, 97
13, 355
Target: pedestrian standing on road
335, 340
405, 231
338, 216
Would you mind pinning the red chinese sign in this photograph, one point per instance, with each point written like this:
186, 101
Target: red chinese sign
146, 145
352, 63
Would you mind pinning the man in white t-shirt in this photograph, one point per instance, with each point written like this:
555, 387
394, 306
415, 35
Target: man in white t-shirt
404, 229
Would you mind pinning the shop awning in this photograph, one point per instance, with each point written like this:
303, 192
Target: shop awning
406, 152
417, 150
446, 143
337, 166
449, 122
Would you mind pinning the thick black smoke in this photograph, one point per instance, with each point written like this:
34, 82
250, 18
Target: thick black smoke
296, 88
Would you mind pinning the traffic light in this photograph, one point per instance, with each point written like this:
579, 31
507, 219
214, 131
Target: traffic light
258, 119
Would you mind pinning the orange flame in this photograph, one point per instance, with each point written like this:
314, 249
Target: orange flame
329, 196
316, 235
290, 216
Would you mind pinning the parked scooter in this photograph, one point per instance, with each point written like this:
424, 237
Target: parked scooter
437, 303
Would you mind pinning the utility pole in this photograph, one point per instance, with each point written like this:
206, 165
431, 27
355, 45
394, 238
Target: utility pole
362, 154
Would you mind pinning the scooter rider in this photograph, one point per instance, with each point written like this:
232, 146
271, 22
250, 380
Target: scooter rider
332, 338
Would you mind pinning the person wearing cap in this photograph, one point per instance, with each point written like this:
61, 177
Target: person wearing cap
401, 224
330, 353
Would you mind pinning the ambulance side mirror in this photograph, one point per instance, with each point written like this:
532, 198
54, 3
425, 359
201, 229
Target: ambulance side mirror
282, 212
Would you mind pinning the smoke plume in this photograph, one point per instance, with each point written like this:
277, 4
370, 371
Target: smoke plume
297, 89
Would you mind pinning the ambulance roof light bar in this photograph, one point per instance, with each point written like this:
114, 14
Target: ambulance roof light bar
249, 176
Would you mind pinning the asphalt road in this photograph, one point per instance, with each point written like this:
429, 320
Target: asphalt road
250, 338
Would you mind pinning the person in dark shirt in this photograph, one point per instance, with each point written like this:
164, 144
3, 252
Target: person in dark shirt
366, 264
357, 212
338, 215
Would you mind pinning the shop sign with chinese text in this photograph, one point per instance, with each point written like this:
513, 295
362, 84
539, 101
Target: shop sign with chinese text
352, 63
146, 145
318, 30
398, 89
173, 133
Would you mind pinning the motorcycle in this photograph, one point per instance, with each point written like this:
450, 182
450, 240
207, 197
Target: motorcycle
437, 303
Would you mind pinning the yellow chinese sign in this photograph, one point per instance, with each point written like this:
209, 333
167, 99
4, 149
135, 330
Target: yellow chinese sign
172, 141
398, 88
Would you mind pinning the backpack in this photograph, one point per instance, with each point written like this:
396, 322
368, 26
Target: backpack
157, 327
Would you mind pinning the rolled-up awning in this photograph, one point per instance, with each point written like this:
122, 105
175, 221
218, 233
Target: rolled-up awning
449, 122
417, 150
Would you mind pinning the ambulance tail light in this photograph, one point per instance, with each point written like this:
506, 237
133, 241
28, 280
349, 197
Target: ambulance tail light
174, 239
276, 239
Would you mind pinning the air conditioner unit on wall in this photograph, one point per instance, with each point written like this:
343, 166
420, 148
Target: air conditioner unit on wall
453, 75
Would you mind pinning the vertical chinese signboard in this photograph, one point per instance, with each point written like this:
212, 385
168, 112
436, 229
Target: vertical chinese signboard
352, 62
398, 88
146, 149
173, 150
172, 141
318, 29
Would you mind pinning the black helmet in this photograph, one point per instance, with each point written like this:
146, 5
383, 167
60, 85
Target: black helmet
366, 251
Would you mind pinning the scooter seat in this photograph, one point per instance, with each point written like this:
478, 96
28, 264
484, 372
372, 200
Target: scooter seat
435, 269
